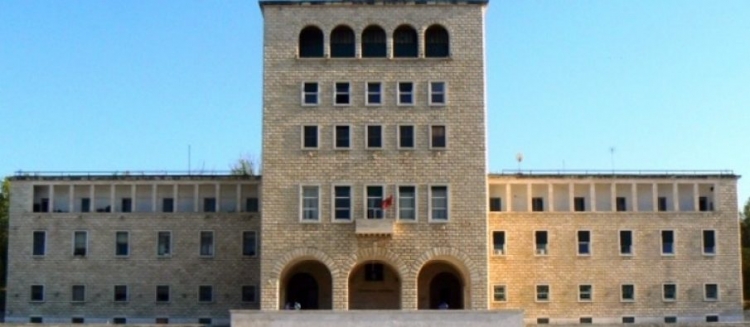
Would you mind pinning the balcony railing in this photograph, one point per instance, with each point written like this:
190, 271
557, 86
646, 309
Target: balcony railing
374, 227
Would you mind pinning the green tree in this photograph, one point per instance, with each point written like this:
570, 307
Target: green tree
745, 243
246, 165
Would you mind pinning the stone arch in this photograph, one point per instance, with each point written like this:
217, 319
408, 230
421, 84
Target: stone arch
440, 262
377, 254
436, 41
302, 254
462, 262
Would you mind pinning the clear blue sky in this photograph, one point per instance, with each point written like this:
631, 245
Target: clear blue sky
128, 85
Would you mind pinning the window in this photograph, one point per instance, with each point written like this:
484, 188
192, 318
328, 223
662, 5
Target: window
205, 293
374, 272
78, 293
703, 204
37, 293
342, 137
311, 42
542, 293
85, 204
584, 242
436, 42
162, 293
40, 243
670, 320
76, 320
209, 204
310, 94
627, 292
374, 92
205, 321
127, 205
662, 203
42, 206
711, 292
207, 244
80, 243
438, 137
310, 137
498, 292
667, 242
669, 292
585, 293
537, 204
439, 203
585, 320
121, 293
712, 318
374, 202
374, 136
498, 242
310, 203
407, 202
406, 137
373, 42
341, 94
167, 205
405, 42
626, 242
248, 293
342, 202
579, 204
405, 93
35, 319
628, 320
249, 243
437, 95
622, 204
164, 244
342, 42
161, 320
709, 242
540, 238
251, 204
496, 204
122, 244
119, 320
542, 321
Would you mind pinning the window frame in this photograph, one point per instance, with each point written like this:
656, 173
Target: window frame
537, 204
591, 293
302, 138
336, 134
631, 320
411, 103
664, 297
415, 202
504, 250
705, 293
73, 293
85, 246
632, 242
318, 212
304, 93
367, 137
445, 136
622, 294
170, 250
242, 294
504, 293
703, 243
169, 294
431, 92
492, 201
430, 209
33, 243
212, 295
413, 137
589, 246
43, 293
334, 208
119, 320
368, 93
537, 249
366, 198
537, 293
662, 243
127, 244
255, 243
348, 93
114, 293
212, 246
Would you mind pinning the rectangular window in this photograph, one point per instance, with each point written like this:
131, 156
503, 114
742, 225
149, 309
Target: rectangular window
498, 242
662, 203
584, 242
439, 203
406, 137
119, 320
586, 320
670, 320
438, 137
542, 321
374, 272
85, 205
669, 292
405, 93
35, 319
76, 320
437, 94
628, 320
712, 318
537, 204
122, 244
374, 202
667, 242
127, 205
542, 293
496, 204
626, 242
167, 205
342, 202
40, 243
709, 242
627, 292
622, 204
499, 293
310, 203
162, 293
703, 203
711, 292
251, 204
585, 293
407, 202
207, 244
205, 293
161, 321
342, 137
309, 94
78, 293
204, 321
249, 243
80, 243
37, 293
248, 293
310, 137
164, 244
342, 94
579, 204
209, 204
121, 293
374, 93
540, 238
374, 137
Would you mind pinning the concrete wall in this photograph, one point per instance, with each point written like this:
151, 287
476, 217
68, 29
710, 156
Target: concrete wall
437, 318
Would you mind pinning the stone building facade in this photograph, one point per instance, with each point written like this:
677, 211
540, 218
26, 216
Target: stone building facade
374, 195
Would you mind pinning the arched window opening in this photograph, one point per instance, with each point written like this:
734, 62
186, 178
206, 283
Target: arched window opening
373, 42
342, 42
311, 42
405, 43
436, 42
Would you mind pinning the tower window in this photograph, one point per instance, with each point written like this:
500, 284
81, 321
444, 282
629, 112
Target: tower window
405, 43
342, 42
373, 42
311, 42
436, 42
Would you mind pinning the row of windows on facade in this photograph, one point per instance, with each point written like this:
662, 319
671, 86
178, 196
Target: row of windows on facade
168, 204
579, 204
342, 42
206, 321
164, 243
584, 245
377, 205
406, 137
627, 292
163, 294
437, 94
627, 319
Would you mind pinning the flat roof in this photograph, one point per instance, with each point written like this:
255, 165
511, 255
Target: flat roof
369, 2
130, 176
617, 174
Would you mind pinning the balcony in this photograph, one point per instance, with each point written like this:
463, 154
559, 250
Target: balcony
374, 227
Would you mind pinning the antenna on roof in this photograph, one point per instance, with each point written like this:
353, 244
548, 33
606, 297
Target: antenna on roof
519, 158
612, 157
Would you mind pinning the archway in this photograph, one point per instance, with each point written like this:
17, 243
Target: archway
374, 285
308, 283
440, 285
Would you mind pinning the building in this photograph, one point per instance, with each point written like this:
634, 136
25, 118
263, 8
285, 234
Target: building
375, 195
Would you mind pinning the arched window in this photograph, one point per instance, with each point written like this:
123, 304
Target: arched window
342, 42
436, 42
311, 42
373, 42
405, 42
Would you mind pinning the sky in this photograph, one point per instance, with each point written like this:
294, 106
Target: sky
174, 85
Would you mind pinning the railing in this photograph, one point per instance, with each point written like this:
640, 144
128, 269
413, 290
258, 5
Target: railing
721, 172
20, 174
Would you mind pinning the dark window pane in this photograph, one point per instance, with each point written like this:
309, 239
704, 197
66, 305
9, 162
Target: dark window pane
342, 136
310, 136
342, 42
438, 137
374, 137
496, 204
405, 42
251, 204
40, 240
167, 205
436, 42
373, 42
311, 42
406, 136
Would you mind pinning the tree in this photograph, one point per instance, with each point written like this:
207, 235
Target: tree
745, 243
246, 166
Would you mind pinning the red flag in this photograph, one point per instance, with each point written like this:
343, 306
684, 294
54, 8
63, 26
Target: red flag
385, 204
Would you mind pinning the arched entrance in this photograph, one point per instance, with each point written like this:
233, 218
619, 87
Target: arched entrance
308, 283
374, 285
440, 285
